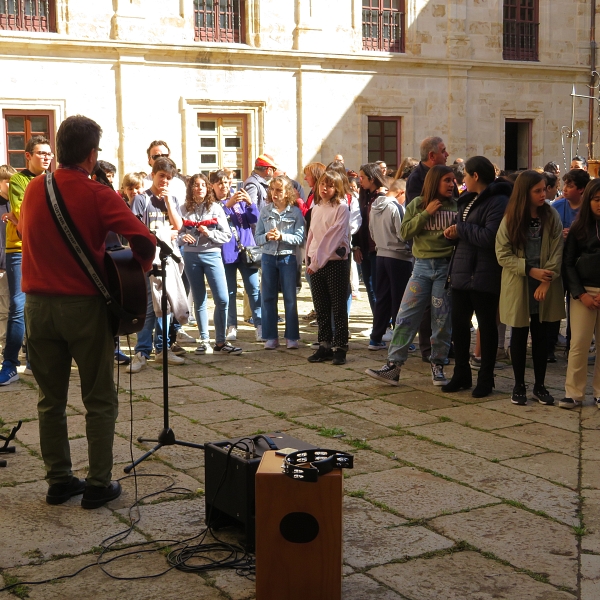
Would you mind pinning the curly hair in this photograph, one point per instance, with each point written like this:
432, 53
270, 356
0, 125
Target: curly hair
288, 189
190, 202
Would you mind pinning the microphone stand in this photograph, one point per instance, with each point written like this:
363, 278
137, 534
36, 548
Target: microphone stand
167, 436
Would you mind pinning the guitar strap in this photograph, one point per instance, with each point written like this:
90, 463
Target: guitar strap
78, 248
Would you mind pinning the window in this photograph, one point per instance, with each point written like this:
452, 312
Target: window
219, 20
27, 15
517, 144
383, 25
521, 24
222, 144
384, 141
19, 127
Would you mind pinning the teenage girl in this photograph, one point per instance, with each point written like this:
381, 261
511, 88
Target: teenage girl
582, 270
529, 248
327, 252
426, 219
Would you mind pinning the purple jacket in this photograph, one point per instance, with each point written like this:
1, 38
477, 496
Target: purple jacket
242, 223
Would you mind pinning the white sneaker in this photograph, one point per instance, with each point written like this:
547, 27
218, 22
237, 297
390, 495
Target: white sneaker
137, 364
366, 332
185, 339
387, 336
204, 348
259, 337
231, 333
292, 344
172, 359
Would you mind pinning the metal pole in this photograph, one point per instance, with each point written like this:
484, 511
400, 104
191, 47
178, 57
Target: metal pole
592, 79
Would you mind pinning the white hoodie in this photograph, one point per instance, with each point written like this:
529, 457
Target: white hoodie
384, 227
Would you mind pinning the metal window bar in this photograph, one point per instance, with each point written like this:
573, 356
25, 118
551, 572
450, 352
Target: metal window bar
218, 21
521, 30
25, 15
382, 30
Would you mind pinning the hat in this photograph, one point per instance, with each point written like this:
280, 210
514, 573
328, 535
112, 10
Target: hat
264, 160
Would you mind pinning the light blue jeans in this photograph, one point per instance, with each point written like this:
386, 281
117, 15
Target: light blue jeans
152, 323
15, 326
252, 287
425, 286
209, 264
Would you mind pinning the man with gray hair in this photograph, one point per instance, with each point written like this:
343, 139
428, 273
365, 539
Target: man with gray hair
433, 152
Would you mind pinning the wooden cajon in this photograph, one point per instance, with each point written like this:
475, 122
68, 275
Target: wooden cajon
289, 565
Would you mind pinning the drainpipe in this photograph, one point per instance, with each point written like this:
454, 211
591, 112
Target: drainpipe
593, 46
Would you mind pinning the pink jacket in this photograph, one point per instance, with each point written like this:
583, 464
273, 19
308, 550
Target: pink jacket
329, 232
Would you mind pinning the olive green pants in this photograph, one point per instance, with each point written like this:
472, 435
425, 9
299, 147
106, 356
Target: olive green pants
61, 328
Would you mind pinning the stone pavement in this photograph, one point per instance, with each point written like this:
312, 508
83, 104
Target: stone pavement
450, 497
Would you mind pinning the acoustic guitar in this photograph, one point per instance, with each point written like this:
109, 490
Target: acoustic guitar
126, 282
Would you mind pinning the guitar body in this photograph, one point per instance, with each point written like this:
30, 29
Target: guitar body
127, 285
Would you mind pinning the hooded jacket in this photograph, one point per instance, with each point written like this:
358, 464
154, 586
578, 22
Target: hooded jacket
474, 265
384, 227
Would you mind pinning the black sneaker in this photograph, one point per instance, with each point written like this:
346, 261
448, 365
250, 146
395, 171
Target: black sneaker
95, 497
61, 492
339, 357
519, 395
568, 403
227, 349
551, 357
389, 373
322, 354
437, 375
543, 395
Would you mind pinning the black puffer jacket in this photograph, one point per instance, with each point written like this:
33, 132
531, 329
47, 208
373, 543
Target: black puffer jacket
474, 265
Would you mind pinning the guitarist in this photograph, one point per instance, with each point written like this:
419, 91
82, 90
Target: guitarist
67, 318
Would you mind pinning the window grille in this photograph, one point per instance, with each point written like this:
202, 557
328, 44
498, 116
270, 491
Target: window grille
383, 25
27, 15
219, 21
521, 26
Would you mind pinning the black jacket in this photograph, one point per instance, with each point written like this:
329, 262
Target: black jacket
414, 183
474, 265
581, 262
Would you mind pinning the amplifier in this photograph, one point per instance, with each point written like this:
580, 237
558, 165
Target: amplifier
229, 479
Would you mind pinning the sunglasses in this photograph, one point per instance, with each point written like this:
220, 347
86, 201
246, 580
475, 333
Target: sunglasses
157, 156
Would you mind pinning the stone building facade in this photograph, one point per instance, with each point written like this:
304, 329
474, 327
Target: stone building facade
298, 82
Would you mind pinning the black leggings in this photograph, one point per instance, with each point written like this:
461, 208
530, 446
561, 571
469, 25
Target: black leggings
539, 350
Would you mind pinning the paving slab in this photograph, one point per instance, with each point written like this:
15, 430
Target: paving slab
21, 466
546, 436
327, 373
352, 426
243, 427
219, 411
45, 531
359, 587
525, 540
373, 537
488, 445
18, 406
386, 413
590, 577
417, 495
232, 385
479, 417
550, 415
461, 576
174, 584
371, 388
590, 444
551, 465
141, 410
591, 519
492, 478
590, 474
191, 394
590, 416
329, 394
366, 461
151, 378
290, 405
420, 400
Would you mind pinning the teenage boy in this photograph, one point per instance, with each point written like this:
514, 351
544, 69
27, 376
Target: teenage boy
156, 208
38, 155
108, 169
6, 172
160, 149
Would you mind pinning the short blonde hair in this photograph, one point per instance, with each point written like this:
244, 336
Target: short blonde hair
6, 172
132, 180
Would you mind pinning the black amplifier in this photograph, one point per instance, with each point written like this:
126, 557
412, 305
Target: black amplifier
229, 470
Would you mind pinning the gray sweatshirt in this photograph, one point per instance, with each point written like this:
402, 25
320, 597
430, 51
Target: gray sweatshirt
384, 227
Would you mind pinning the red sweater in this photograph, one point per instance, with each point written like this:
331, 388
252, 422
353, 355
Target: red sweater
48, 264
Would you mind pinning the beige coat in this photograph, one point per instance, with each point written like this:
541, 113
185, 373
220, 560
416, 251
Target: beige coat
514, 297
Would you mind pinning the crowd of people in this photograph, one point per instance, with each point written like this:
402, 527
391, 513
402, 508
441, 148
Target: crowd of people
433, 243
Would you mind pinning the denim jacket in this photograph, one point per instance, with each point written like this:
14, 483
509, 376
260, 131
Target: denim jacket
291, 225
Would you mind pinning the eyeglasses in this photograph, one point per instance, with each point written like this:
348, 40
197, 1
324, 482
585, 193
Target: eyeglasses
44, 154
157, 156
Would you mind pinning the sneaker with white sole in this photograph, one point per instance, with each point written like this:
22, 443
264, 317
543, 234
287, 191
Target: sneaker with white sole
271, 344
437, 375
231, 333
178, 350
377, 345
204, 348
387, 336
569, 403
172, 359
259, 336
27, 371
227, 349
389, 373
8, 374
292, 344
137, 363
185, 339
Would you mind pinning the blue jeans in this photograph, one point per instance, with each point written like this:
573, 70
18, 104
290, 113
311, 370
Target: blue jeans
276, 270
144, 337
426, 286
15, 326
369, 274
209, 264
252, 287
